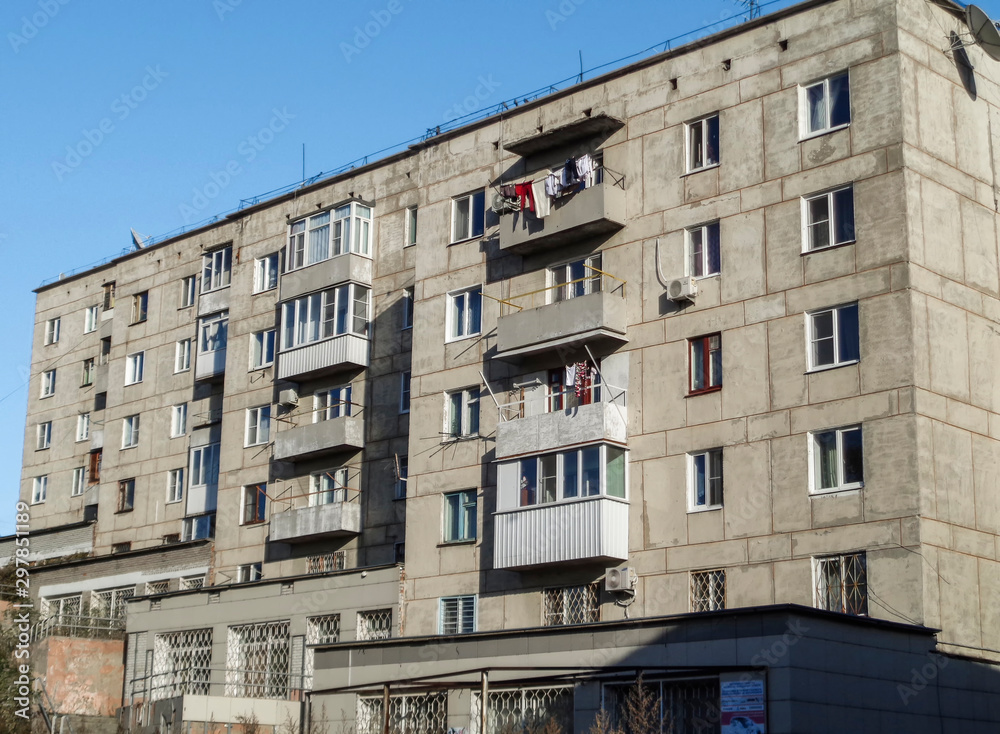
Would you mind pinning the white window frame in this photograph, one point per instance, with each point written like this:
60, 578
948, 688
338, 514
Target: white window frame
336, 492
90, 318
332, 403
249, 572
405, 387
88, 371
556, 469
43, 435
401, 474
262, 348
466, 500
48, 384
459, 317
258, 426
178, 420
324, 235
692, 458
78, 482
218, 324
831, 222
217, 269
134, 364
189, 290
182, 356
202, 464
838, 346
805, 117
196, 527
130, 431
265, 273
410, 226
82, 426
52, 330
705, 232
814, 449
407, 309
559, 278
39, 489
703, 125
140, 307
463, 610
255, 491
304, 320
470, 231
175, 485
469, 405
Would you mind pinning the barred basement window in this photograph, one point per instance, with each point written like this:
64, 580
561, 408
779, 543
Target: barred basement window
570, 605
192, 582
182, 663
336, 561
121, 547
375, 624
524, 709
258, 660
842, 584
708, 591
425, 713
319, 631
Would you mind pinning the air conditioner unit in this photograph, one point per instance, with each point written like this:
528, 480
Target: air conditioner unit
619, 579
502, 205
683, 289
289, 396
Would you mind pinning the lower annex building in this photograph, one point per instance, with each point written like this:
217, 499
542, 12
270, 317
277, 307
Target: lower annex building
686, 371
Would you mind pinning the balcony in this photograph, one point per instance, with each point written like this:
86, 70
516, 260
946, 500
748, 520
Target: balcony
332, 355
584, 530
210, 365
596, 210
316, 277
339, 519
595, 319
328, 435
557, 421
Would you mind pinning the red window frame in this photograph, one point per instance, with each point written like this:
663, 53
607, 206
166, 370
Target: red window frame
712, 374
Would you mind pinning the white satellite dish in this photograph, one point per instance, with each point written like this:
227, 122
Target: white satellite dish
984, 30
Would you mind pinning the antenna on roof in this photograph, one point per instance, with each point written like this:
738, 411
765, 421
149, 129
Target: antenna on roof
752, 7
138, 240
984, 30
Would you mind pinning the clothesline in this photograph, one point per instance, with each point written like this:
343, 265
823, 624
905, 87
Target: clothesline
536, 196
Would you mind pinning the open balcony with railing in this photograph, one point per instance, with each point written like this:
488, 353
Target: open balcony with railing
333, 512
587, 212
329, 430
585, 311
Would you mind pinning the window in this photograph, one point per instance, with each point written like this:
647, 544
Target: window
327, 234
842, 583
460, 516
402, 472
462, 413
262, 349
705, 480
188, 290
196, 528
43, 435
126, 495
408, 308
105, 353
78, 480
254, 504
703, 245
182, 356
585, 472
833, 337
140, 304
399, 552
332, 312
205, 466
258, 425
468, 216
570, 605
130, 432
259, 658
708, 591
404, 392
465, 313
336, 561
828, 218
48, 383
375, 624
332, 403
458, 615
83, 426
133, 367
837, 460
573, 279
39, 489
265, 273
825, 105
188, 583
90, 319
703, 143
88, 372
328, 487
213, 333
410, 233
109, 296
216, 269
706, 363
178, 420
52, 330
94, 469
249, 572
175, 485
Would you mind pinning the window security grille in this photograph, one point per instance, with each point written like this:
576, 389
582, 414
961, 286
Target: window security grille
157, 587
524, 709
182, 663
570, 605
258, 660
708, 591
375, 624
319, 631
691, 705
192, 582
336, 561
415, 714
63, 615
110, 604
842, 584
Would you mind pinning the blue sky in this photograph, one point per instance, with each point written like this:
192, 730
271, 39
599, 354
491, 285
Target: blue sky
117, 114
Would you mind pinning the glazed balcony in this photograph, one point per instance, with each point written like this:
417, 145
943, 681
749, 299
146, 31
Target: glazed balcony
321, 432
338, 353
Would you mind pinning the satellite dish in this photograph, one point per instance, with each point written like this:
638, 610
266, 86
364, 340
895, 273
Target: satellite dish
984, 30
138, 240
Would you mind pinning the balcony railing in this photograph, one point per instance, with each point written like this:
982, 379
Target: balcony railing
562, 399
78, 625
336, 513
339, 427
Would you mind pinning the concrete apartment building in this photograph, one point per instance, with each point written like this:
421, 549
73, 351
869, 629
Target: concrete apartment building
722, 410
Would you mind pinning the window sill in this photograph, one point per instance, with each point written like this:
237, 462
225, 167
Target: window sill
174, 502
181, 372
214, 290
707, 508
466, 337
828, 367
261, 368
837, 490
86, 384
39, 502
706, 391
136, 323
133, 446
81, 440
129, 384
123, 512
693, 171
829, 247
44, 448
450, 543
467, 239
50, 395
460, 439
266, 290
825, 131
706, 277
189, 305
